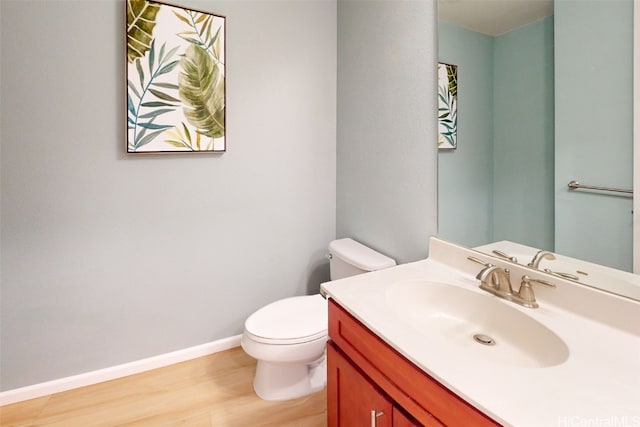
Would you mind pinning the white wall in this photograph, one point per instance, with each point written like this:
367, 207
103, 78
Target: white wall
387, 148
109, 258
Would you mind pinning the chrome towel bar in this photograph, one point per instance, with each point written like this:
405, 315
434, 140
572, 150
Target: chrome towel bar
574, 185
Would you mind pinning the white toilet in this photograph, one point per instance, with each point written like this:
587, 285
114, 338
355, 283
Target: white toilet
288, 337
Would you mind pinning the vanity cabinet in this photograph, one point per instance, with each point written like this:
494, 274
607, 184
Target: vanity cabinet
371, 384
357, 401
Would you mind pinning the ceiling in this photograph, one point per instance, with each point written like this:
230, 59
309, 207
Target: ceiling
493, 17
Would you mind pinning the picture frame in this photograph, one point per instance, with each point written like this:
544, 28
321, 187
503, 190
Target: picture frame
175, 70
447, 106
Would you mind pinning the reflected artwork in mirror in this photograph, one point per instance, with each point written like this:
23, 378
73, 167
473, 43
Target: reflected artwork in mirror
541, 110
447, 106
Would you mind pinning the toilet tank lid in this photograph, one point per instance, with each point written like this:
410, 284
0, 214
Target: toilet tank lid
359, 255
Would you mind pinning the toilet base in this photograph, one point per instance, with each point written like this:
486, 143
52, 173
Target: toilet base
285, 381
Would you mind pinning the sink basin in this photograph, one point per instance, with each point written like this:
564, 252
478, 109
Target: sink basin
455, 319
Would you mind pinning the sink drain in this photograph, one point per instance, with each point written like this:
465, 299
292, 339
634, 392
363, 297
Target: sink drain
484, 339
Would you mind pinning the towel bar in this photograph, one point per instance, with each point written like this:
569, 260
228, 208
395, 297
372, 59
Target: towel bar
574, 185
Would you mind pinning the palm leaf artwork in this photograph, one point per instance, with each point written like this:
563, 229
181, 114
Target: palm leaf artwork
180, 137
447, 106
452, 77
175, 78
151, 98
201, 32
141, 16
202, 91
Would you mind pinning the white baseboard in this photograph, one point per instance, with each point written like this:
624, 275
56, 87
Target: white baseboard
114, 372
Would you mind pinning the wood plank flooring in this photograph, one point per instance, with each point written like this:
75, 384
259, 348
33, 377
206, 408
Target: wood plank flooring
211, 391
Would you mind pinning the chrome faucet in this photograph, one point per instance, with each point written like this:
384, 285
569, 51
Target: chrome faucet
496, 280
539, 256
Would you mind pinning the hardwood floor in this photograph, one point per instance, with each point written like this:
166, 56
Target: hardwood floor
211, 391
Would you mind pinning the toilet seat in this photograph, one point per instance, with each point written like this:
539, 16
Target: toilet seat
291, 320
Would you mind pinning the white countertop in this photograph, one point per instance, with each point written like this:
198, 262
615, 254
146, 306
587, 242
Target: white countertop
598, 384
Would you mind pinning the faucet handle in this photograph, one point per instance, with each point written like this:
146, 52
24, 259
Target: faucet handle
505, 256
479, 261
529, 280
563, 275
487, 265
525, 293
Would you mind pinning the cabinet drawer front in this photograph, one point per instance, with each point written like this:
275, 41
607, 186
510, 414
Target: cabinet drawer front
414, 390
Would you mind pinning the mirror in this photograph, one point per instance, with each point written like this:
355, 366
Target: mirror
503, 182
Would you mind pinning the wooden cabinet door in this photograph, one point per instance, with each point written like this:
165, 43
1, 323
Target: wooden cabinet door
352, 400
400, 419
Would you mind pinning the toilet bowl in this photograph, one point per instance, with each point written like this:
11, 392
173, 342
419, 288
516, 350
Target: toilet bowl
288, 337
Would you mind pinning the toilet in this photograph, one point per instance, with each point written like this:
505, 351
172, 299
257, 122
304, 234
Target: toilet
288, 337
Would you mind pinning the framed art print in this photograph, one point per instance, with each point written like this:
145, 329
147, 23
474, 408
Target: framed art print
447, 106
175, 71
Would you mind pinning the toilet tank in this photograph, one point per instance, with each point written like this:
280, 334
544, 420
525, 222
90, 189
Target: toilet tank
348, 258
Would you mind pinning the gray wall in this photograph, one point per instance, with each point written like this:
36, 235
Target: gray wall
109, 258
386, 170
465, 175
523, 135
594, 124
498, 183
